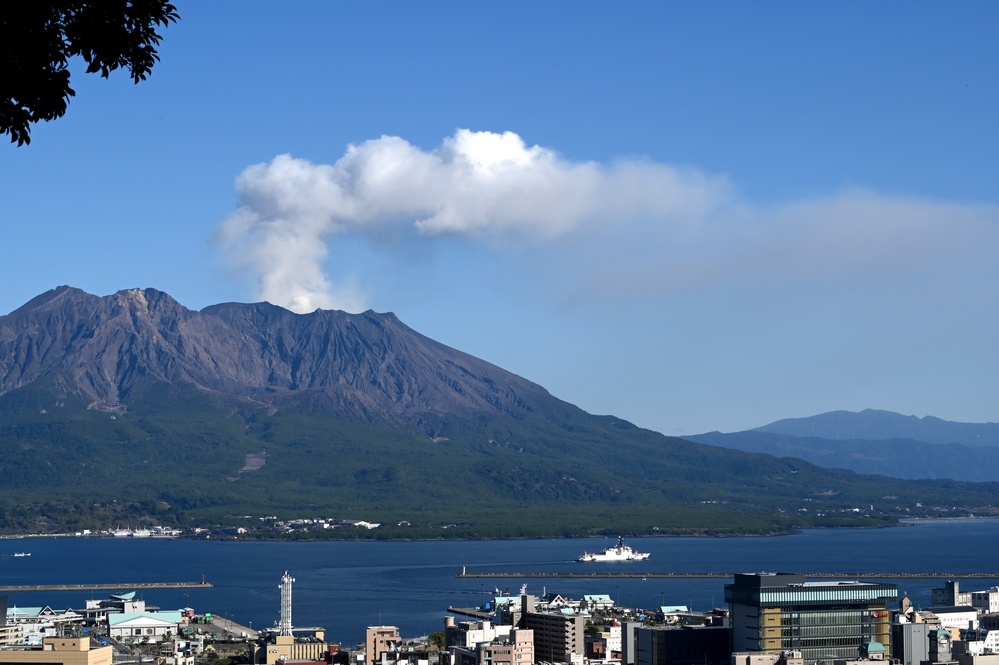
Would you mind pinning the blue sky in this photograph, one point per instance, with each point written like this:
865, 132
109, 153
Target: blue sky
694, 216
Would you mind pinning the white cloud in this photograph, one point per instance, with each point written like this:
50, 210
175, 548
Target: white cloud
632, 226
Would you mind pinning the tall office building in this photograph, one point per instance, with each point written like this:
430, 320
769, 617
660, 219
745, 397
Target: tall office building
778, 613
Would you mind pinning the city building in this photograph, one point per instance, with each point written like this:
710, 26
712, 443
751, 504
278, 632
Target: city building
58, 651
378, 639
629, 646
605, 645
686, 645
977, 641
977, 659
941, 652
558, 637
757, 658
868, 651
467, 634
36, 623
777, 613
285, 648
910, 642
597, 601
955, 619
950, 595
131, 627
516, 648
986, 602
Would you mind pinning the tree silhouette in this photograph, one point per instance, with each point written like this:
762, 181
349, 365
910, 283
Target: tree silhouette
38, 38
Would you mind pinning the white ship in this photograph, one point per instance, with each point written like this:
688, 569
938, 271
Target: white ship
619, 552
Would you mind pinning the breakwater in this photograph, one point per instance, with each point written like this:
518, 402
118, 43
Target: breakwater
103, 587
708, 575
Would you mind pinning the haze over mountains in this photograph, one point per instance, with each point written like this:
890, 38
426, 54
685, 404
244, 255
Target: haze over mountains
877, 442
132, 405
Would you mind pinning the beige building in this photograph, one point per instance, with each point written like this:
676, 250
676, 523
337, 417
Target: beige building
11, 634
557, 637
58, 651
289, 648
517, 650
514, 648
379, 639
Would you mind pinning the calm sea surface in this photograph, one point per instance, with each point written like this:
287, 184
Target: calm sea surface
345, 586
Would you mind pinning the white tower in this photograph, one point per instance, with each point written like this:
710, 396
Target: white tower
286, 581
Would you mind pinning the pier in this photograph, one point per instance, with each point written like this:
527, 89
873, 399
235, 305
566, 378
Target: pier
98, 587
712, 575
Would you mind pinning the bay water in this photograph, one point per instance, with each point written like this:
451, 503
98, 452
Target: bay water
345, 586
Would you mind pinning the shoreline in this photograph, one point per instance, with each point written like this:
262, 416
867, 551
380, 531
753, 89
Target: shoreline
902, 523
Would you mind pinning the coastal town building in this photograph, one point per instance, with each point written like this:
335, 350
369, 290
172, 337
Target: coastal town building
629, 646
977, 641
597, 601
466, 634
955, 619
686, 645
757, 658
775, 613
516, 648
34, 624
910, 641
950, 595
11, 634
987, 601
604, 645
941, 650
58, 651
131, 627
276, 648
869, 651
557, 637
977, 659
379, 639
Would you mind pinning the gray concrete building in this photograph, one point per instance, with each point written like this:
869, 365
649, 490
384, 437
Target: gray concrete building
910, 642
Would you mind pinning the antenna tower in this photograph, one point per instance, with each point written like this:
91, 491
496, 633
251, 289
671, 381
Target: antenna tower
286, 581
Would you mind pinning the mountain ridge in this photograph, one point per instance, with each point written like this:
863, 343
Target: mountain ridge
876, 424
877, 442
249, 350
131, 406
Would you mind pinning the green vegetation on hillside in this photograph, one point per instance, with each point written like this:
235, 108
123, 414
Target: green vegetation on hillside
175, 458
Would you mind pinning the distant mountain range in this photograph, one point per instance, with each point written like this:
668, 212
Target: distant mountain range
874, 425
877, 442
131, 408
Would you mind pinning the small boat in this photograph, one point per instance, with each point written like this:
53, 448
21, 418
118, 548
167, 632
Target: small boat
619, 552
22, 554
